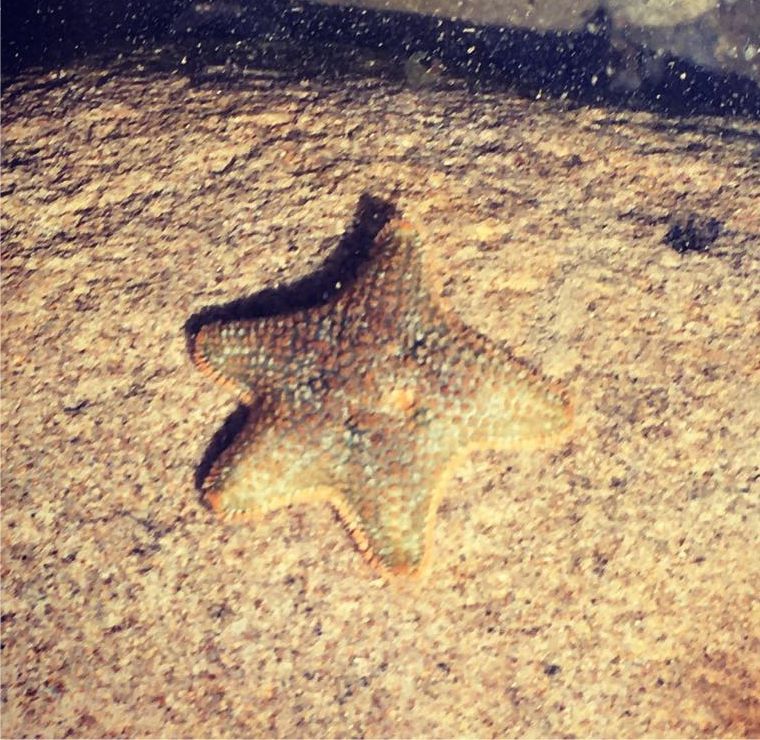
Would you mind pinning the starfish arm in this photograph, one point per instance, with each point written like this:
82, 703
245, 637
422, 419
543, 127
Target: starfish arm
299, 350
503, 404
292, 353
401, 460
477, 392
267, 466
368, 467
389, 494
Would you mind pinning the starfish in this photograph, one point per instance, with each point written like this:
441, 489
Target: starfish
367, 396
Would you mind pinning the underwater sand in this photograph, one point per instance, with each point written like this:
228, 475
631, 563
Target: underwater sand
603, 587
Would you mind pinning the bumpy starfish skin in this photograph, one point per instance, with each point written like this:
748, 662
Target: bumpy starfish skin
369, 402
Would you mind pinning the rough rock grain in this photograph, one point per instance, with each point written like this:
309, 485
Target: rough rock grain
607, 588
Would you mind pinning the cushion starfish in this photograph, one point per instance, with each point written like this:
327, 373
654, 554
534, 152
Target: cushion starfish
367, 397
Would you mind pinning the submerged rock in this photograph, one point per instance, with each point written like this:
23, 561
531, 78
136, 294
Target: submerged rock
722, 36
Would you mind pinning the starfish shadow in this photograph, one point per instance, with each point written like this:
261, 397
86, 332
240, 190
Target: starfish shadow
340, 268
221, 440
314, 289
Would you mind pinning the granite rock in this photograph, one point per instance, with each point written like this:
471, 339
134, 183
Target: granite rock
604, 588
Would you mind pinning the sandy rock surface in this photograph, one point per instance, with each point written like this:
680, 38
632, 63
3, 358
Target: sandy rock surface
603, 587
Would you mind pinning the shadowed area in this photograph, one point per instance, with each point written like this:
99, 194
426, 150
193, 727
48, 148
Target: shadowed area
316, 288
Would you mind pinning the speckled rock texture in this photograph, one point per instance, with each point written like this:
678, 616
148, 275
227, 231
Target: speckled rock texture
606, 587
